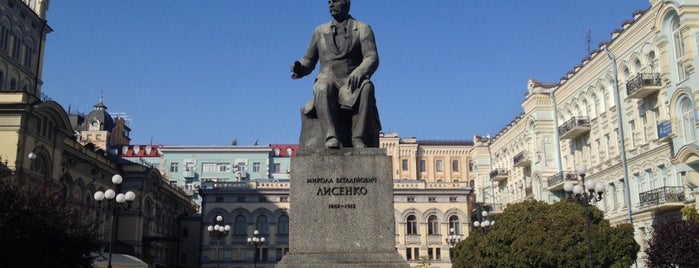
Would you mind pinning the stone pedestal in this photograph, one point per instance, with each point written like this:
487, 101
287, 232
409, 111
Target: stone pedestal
342, 211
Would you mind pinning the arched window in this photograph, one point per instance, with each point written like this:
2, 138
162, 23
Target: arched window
283, 225
602, 99
13, 84
288, 152
687, 115
2, 80
454, 224
411, 227
678, 45
4, 34
432, 225
240, 226
637, 65
16, 43
262, 225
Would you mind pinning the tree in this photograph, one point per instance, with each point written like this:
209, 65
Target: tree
537, 234
39, 228
425, 262
675, 243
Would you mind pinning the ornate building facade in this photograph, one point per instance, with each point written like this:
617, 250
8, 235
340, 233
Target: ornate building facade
432, 199
627, 112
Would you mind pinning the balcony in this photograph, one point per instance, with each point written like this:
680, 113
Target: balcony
668, 197
522, 159
574, 127
189, 192
189, 175
555, 182
412, 239
529, 193
434, 239
499, 174
643, 85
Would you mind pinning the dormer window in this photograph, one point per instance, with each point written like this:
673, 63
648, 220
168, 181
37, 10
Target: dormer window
95, 124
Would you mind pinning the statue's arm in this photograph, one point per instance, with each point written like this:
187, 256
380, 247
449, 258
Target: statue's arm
305, 65
370, 62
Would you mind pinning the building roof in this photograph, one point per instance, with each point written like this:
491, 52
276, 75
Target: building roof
99, 113
140, 151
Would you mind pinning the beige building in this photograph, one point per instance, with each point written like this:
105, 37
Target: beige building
38, 140
432, 195
627, 112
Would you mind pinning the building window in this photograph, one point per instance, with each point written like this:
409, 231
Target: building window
404, 164
452, 199
208, 167
434, 253
455, 165
189, 166
678, 44
687, 124
454, 224
411, 199
240, 226
431, 199
411, 227
439, 166
283, 225
281, 252
28, 56
16, 45
173, 166
432, 225
422, 165
261, 225
412, 253
632, 134
4, 36
277, 168
261, 254
256, 167
644, 124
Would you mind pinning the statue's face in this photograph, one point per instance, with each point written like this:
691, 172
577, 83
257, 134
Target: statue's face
339, 7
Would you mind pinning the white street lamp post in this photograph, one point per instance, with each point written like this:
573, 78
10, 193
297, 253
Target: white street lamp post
484, 223
256, 241
585, 196
115, 203
219, 231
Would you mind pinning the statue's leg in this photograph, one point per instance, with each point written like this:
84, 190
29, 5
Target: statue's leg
365, 118
327, 108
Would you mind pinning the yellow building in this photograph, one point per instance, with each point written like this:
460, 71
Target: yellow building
432, 199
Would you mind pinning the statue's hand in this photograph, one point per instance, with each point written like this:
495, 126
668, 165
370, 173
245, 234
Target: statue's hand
296, 70
355, 80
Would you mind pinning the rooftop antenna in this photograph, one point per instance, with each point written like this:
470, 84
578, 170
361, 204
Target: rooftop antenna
588, 41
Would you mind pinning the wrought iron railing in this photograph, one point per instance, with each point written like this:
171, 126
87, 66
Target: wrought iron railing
573, 123
520, 158
557, 179
498, 172
662, 195
642, 80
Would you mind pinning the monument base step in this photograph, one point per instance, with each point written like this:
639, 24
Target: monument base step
343, 260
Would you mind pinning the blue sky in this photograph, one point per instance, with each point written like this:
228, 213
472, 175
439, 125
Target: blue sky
189, 73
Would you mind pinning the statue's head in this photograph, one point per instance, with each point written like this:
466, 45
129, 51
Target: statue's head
339, 9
